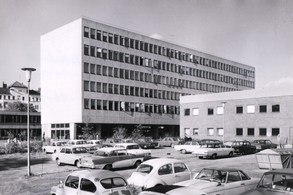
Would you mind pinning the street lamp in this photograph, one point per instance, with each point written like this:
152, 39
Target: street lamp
28, 74
223, 105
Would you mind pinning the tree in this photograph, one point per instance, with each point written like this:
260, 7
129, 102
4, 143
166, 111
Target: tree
119, 133
19, 106
137, 132
88, 131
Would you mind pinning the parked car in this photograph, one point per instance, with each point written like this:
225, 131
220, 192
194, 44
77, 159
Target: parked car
160, 171
70, 155
169, 141
111, 158
262, 144
54, 146
94, 142
275, 182
94, 148
213, 150
188, 146
112, 141
147, 143
134, 148
95, 182
216, 181
241, 146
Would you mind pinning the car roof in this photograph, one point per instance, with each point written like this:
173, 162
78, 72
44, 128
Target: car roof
74, 146
95, 174
160, 161
280, 171
126, 144
228, 169
111, 149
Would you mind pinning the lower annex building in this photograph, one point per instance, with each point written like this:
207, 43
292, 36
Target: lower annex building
249, 115
109, 77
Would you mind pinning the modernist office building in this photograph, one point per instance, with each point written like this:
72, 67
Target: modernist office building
108, 77
250, 115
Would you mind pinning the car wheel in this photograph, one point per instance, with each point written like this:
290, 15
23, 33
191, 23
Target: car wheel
45, 151
200, 157
172, 145
137, 163
214, 156
108, 167
58, 162
230, 154
76, 163
183, 151
144, 146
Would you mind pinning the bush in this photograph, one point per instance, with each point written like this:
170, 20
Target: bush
21, 147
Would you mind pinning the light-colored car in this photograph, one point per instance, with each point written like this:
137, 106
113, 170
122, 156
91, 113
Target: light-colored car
275, 182
210, 181
169, 141
134, 148
213, 150
94, 182
54, 146
111, 158
94, 142
112, 141
187, 147
70, 155
160, 171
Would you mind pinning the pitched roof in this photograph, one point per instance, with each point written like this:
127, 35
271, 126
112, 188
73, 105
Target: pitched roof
4, 91
17, 84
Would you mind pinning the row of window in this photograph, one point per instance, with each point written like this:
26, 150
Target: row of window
156, 49
238, 132
66, 125
19, 119
239, 110
111, 105
130, 90
160, 65
10, 97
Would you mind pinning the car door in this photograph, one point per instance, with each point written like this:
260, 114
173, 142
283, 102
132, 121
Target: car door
87, 187
234, 183
166, 174
124, 160
71, 185
181, 172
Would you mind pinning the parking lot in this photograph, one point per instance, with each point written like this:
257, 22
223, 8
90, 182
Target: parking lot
46, 173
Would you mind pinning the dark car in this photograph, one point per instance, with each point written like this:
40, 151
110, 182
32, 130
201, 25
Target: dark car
275, 182
262, 144
147, 143
241, 146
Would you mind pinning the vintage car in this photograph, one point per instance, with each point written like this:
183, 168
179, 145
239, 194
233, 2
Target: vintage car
147, 143
275, 182
262, 144
54, 146
134, 148
222, 181
188, 146
112, 141
92, 149
159, 171
213, 150
94, 142
170, 141
111, 158
95, 182
241, 146
70, 155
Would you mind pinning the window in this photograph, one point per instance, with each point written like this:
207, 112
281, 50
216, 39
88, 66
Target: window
121, 89
105, 104
105, 68
93, 69
93, 89
251, 109
105, 88
187, 112
250, 131
220, 131
110, 90
99, 87
275, 131
87, 185
116, 89
99, 104
105, 36
166, 169
115, 182
195, 131
116, 39
195, 111
86, 85
72, 182
86, 103
93, 52
262, 108
220, 110
86, 50
93, 104
210, 111
239, 131
211, 131
262, 131
180, 167
85, 68
276, 108
99, 35
239, 109
86, 32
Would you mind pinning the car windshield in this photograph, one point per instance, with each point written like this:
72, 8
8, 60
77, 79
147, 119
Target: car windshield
277, 182
79, 150
144, 168
114, 182
211, 175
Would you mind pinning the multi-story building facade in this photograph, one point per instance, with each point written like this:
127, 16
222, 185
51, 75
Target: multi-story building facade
250, 115
107, 76
14, 121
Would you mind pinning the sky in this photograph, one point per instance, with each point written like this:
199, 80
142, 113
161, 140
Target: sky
257, 33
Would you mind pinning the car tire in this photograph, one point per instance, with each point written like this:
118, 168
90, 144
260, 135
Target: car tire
200, 157
76, 163
58, 162
230, 154
214, 156
183, 151
45, 151
107, 167
172, 145
137, 163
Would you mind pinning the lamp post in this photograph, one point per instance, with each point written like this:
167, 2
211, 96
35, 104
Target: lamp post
28, 74
223, 105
